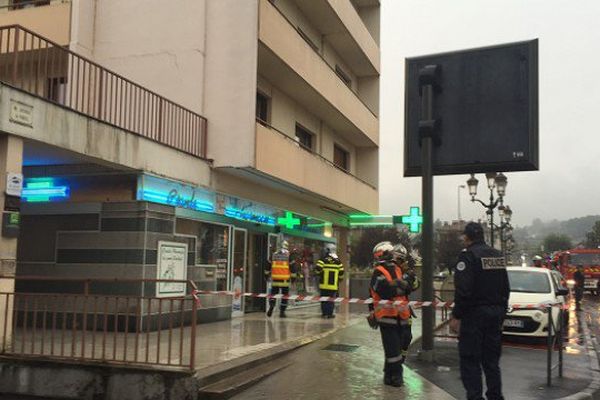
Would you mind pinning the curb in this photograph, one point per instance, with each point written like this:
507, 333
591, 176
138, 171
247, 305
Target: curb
592, 392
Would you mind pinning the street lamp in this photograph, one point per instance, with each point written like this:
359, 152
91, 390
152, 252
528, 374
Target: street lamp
496, 181
505, 216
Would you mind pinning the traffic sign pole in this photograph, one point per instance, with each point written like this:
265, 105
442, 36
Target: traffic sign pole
428, 134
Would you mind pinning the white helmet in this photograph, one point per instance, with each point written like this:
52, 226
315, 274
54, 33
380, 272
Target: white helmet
400, 253
285, 245
537, 258
329, 249
383, 251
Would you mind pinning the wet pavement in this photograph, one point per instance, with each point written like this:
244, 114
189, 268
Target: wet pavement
317, 373
223, 341
523, 365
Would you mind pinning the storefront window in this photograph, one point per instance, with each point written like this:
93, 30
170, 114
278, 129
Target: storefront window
212, 246
304, 254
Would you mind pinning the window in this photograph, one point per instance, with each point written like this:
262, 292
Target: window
304, 137
19, 4
528, 282
307, 39
262, 107
341, 158
343, 75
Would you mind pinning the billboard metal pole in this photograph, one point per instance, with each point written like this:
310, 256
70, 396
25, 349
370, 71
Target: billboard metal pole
428, 131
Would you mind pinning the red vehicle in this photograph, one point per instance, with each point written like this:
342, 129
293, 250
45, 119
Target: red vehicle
590, 259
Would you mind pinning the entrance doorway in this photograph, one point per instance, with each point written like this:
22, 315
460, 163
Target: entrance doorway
255, 279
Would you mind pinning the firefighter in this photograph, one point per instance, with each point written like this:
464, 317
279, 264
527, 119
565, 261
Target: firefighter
480, 303
401, 259
329, 269
392, 320
537, 261
280, 277
579, 279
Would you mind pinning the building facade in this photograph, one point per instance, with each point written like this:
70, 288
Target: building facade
182, 140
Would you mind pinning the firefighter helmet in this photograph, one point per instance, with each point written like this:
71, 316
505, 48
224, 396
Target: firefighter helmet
400, 253
383, 251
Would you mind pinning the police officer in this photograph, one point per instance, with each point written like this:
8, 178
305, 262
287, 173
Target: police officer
392, 320
401, 259
280, 277
329, 269
480, 302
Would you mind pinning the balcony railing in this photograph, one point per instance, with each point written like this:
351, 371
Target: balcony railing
43, 68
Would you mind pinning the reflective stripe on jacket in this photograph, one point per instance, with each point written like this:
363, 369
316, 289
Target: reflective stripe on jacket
387, 313
280, 270
329, 275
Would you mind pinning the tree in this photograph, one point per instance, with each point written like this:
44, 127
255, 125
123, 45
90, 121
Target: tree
557, 241
592, 238
362, 249
447, 248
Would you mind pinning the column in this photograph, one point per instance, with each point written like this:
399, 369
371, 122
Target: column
11, 160
341, 234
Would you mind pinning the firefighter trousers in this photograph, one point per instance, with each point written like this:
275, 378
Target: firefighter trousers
395, 339
327, 306
276, 290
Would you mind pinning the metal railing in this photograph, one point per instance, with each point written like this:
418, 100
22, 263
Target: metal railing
314, 153
43, 68
88, 326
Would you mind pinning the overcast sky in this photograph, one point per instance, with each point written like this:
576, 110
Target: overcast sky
568, 182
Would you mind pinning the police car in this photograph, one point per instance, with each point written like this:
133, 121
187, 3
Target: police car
529, 285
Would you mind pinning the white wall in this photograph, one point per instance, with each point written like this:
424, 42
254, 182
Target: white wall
159, 44
230, 81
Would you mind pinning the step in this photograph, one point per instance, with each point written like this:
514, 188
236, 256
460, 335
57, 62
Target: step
234, 384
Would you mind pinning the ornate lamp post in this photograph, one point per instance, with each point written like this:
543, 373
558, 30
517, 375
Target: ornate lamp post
494, 181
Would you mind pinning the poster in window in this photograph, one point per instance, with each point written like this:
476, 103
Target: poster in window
172, 264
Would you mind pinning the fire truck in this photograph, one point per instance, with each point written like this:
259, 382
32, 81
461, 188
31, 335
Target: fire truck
590, 259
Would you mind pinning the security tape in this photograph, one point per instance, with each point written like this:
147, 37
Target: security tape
348, 300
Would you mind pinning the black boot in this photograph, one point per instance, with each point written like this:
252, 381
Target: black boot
396, 381
270, 312
282, 314
387, 378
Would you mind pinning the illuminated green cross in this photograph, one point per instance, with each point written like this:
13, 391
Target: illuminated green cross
288, 221
413, 220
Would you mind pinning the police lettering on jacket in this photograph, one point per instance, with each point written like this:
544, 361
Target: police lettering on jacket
480, 279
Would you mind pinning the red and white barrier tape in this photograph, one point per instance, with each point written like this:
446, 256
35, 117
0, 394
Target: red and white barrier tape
347, 300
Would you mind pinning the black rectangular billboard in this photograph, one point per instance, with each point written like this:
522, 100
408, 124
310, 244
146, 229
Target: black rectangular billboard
488, 109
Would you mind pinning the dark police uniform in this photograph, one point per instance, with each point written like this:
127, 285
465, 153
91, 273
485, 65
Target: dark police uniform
480, 302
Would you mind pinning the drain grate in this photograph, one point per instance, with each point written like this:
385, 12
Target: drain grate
346, 348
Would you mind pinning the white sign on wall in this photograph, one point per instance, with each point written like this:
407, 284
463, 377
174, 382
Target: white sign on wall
21, 113
171, 264
14, 184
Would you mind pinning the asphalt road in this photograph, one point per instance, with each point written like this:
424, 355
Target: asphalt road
591, 309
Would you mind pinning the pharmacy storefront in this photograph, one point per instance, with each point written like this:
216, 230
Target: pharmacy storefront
234, 239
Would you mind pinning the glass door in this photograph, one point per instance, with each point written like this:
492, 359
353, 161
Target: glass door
238, 263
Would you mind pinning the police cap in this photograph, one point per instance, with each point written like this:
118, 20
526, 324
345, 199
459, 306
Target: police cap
474, 231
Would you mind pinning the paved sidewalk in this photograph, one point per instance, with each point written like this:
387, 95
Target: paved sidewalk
317, 373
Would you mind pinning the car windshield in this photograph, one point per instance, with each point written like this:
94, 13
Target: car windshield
528, 282
585, 259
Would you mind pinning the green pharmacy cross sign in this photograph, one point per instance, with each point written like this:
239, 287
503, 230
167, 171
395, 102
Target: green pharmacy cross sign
289, 221
414, 220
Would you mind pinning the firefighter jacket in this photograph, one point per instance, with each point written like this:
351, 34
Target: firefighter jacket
480, 279
387, 284
330, 270
280, 269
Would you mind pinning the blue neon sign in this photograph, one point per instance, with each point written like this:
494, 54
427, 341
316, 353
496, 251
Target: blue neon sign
164, 191
44, 190
246, 216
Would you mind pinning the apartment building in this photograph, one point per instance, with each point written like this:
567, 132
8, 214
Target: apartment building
213, 125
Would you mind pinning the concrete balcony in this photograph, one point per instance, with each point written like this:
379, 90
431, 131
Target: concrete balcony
283, 159
52, 21
295, 68
344, 29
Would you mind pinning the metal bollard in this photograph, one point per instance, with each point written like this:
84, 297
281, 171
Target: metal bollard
549, 363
